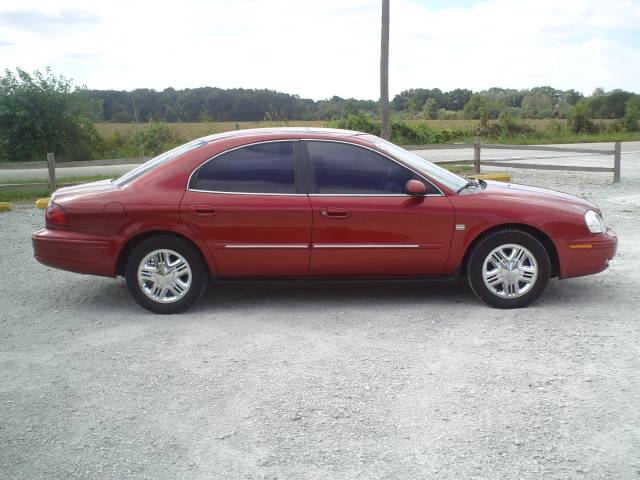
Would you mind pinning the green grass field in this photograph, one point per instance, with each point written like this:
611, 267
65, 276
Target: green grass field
544, 133
11, 195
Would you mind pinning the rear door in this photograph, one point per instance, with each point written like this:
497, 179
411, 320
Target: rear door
363, 222
250, 207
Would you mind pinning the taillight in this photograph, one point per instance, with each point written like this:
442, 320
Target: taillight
56, 215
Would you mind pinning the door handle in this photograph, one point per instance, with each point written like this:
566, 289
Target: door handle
334, 212
204, 210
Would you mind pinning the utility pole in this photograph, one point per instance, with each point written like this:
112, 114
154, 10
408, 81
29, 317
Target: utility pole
384, 72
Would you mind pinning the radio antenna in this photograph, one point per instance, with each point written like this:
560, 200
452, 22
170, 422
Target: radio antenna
135, 116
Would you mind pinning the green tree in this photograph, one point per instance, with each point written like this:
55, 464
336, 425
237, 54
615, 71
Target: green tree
42, 113
537, 105
632, 113
430, 108
580, 119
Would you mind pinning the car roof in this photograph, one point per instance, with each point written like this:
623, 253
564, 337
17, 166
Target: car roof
284, 131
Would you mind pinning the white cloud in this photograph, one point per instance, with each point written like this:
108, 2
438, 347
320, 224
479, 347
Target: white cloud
319, 49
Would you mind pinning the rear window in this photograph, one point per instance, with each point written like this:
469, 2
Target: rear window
259, 168
159, 160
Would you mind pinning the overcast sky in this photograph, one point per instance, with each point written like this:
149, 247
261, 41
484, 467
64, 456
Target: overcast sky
323, 48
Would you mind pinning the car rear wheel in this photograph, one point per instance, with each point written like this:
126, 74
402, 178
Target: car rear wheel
166, 274
508, 269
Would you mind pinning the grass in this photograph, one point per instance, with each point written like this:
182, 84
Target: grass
28, 194
9, 195
552, 138
63, 180
199, 129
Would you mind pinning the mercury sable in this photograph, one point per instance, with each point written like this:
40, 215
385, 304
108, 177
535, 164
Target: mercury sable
314, 204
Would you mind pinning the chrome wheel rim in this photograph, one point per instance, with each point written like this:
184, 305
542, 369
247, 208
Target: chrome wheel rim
510, 271
164, 276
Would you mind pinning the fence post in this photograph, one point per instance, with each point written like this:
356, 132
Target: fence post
51, 165
616, 162
476, 155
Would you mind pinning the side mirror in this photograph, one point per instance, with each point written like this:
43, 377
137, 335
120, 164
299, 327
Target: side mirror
415, 188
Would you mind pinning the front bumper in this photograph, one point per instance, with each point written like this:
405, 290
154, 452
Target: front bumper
75, 252
586, 255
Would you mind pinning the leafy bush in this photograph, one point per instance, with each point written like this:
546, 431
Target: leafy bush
632, 114
152, 139
359, 123
580, 119
42, 113
155, 138
507, 126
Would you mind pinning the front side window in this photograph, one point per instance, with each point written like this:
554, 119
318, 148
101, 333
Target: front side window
260, 168
348, 169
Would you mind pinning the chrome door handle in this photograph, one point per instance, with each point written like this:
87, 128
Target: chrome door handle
335, 213
204, 210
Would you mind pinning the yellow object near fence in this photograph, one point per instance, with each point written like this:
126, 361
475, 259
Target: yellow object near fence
500, 177
5, 206
42, 202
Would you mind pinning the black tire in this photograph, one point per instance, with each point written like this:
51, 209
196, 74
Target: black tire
484, 248
199, 273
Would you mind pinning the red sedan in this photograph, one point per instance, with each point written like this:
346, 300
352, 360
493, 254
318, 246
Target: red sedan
316, 204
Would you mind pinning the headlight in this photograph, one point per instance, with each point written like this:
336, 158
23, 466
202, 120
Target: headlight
594, 222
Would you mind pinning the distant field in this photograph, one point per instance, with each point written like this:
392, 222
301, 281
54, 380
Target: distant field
199, 129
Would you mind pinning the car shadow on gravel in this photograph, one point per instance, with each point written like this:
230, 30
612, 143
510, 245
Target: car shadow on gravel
328, 295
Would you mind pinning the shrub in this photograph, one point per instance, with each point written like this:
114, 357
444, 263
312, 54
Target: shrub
402, 132
580, 119
632, 114
155, 138
507, 126
359, 123
42, 113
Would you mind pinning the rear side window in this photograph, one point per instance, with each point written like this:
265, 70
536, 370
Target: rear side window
157, 161
348, 169
260, 168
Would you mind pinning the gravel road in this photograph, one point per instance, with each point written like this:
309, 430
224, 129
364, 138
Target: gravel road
317, 382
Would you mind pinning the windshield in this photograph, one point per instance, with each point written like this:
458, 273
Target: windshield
159, 160
445, 177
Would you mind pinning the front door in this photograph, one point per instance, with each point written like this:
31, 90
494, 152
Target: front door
363, 222
249, 207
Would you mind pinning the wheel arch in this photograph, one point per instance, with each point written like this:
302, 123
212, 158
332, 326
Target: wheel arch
135, 240
538, 234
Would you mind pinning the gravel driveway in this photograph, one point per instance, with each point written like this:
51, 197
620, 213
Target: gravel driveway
317, 382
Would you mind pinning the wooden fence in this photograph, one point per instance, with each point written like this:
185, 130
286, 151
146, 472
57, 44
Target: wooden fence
477, 162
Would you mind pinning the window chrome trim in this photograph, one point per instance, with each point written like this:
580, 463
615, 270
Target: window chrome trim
292, 140
266, 245
401, 195
382, 154
365, 245
248, 193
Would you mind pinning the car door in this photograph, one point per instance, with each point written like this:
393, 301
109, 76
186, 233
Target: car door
249, 206
364, 224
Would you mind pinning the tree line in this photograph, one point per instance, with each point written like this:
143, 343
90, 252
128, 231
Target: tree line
238, 104
41, 112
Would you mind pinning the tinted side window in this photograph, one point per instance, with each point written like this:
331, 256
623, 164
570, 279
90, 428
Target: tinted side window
347, 169
261, 168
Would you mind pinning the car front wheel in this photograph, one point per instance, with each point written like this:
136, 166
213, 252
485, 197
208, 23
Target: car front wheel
166, 274
508, 269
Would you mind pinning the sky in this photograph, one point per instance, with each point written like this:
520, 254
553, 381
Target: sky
317, 49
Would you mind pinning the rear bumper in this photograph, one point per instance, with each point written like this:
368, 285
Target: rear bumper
587, 255
75, 252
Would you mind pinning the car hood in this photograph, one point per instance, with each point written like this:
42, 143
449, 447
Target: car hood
66, 193
539, 196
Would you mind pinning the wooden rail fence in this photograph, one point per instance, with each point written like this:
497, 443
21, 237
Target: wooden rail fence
477, 162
